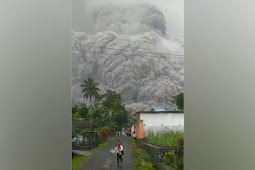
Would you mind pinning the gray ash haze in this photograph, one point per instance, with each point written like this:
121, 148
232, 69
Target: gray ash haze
141, 69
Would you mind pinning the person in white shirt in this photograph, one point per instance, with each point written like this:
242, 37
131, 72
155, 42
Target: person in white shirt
120, 151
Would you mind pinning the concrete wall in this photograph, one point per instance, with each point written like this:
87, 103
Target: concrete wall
156, 153
159, 122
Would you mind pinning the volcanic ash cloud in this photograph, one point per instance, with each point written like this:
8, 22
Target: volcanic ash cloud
141, 69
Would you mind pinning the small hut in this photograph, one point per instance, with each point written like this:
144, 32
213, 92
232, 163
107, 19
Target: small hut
87, 137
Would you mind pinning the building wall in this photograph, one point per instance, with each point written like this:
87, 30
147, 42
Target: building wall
140, 130
159, 122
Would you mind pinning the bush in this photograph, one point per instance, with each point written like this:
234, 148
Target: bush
180, 144
170, 158
104, 133
142, 159
146, 165
179, 162
173, 160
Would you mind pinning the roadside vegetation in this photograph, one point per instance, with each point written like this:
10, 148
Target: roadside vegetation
78, 160
165, 139
174, 139
101, 145
142, 159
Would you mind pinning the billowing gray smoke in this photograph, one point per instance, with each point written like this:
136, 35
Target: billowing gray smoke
127, 50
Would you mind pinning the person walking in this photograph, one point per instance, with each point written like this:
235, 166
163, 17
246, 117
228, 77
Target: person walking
120, 152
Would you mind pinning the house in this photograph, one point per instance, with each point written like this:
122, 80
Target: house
157, 121
87, 137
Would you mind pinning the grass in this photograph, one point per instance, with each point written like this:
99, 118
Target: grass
131, 141
78, 160
142, 159
165, 139
101, 145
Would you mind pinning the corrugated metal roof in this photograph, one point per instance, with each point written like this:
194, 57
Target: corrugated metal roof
159, 109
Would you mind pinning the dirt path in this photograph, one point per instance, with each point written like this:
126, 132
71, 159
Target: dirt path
106, 160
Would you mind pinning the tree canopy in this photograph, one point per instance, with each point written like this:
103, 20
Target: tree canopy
107, 111
90, 89
179, 101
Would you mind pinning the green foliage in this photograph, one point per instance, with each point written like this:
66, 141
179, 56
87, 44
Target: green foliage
131, 119
179, 162
179, 101
90, 89
109, 99
75, 118
170, 158
96, 114
117, 113
82, 110
107, 110
165, 139
104, 133
180, 144
142, 160
74, 108
175, 160
145, 166
78, 160
131, 141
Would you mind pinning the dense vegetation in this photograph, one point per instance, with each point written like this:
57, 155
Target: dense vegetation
105, 110
142, 159
174, 159
165, 139
179, 101
77, 161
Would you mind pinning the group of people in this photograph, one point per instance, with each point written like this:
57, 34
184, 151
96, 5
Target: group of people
125, 133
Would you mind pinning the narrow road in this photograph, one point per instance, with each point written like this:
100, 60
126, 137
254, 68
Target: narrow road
106, 160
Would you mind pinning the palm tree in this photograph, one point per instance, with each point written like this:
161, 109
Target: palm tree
90, 89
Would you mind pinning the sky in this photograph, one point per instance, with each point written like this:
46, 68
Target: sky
173, 11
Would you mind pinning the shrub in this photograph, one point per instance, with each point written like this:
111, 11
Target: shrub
179, 162
146, 165
173, 160
142, 159
103, 132
131, 140
170, 158
180, 144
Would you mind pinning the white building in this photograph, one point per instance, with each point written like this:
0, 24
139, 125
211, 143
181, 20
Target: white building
159, 121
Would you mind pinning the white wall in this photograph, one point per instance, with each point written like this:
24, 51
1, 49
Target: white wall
159, 122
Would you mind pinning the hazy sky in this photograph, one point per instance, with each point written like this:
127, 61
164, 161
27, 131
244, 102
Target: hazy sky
173, 11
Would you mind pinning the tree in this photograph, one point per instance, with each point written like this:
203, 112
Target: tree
75, 118
74, 108
83, 110
90, 89
131, 119
120, 115
109, 99
97, 115
179, 101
